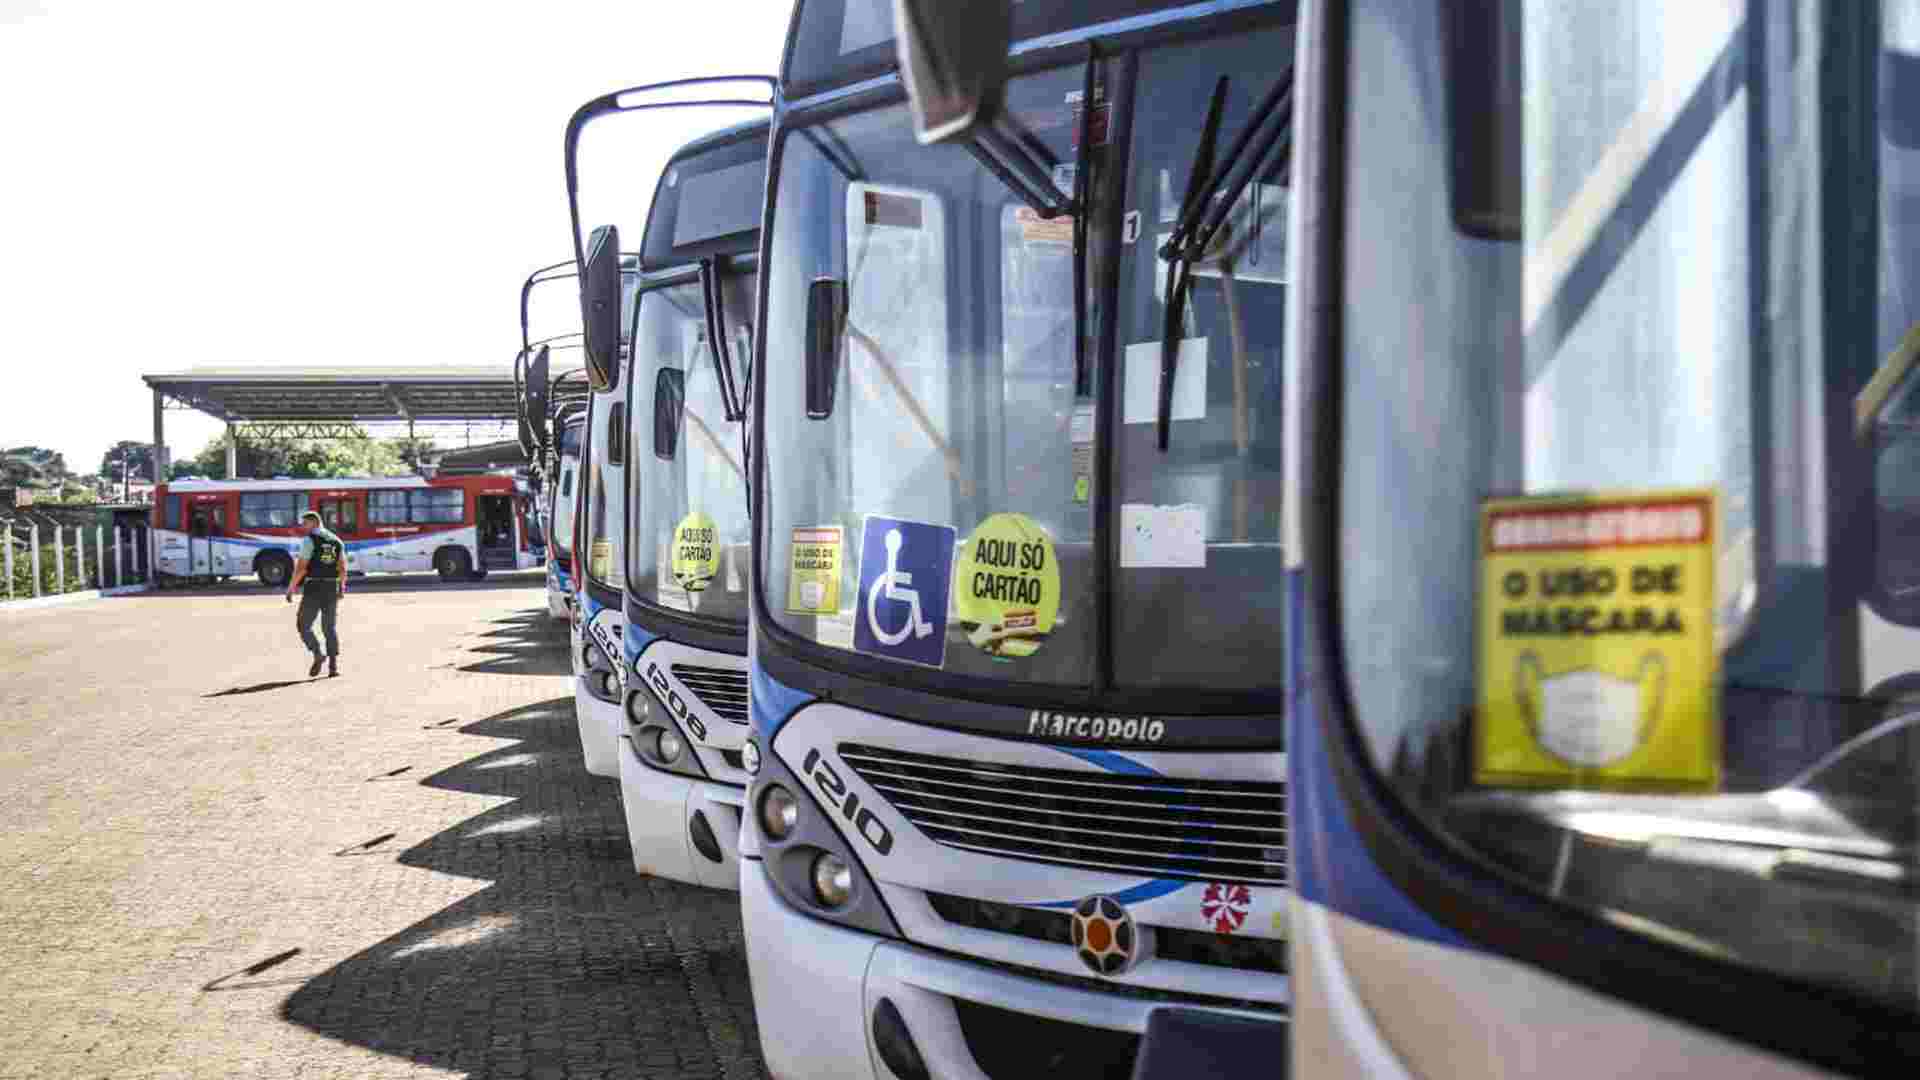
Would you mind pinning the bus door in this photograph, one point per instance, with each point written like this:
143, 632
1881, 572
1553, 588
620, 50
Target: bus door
205, 554
493, 516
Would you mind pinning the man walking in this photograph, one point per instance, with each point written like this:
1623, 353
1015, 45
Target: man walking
322, 566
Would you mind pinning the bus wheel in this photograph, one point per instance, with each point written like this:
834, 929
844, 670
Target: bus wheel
274, 569
453, 564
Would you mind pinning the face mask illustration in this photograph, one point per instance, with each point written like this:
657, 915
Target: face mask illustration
1590, 718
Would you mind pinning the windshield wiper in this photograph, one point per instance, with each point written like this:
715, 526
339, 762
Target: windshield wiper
1175, 309
1210, 196
716, 312
1082, 377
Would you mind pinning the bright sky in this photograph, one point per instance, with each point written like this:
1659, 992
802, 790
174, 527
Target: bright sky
235, 182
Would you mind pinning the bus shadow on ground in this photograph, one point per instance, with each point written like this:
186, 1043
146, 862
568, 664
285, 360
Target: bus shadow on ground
569, 964
525, 644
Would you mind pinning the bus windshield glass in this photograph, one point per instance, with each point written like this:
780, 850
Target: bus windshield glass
936, 507
686, 461
1626, 563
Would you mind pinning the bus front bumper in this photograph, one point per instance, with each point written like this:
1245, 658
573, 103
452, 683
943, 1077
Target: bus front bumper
671, 818
827, 1030
600, 724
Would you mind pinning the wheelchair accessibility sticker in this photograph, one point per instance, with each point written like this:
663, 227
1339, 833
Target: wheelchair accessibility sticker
905, 572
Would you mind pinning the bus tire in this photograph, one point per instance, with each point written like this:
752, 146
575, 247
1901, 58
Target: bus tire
274, 569
453, 564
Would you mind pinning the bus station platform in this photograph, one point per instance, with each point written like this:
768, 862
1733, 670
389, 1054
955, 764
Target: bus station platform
217, 867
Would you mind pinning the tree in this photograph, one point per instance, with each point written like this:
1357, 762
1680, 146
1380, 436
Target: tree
34, 466
305, 458
139, 456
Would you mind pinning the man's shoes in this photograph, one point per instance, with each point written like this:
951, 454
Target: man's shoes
315, 669
333, 667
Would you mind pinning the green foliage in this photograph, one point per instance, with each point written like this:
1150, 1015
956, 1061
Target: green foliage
23, 566
138, 454
309, 458
32, 466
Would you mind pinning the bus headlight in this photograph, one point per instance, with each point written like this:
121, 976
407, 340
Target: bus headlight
806, 859
637, 710
669, 745
779, 812
832, 879
750, 758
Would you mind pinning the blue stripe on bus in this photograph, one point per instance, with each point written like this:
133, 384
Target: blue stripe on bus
1133, 894
1110, 761
637, 639
1328, 858
772, 702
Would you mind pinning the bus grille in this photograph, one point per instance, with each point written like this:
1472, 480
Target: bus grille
721, 689
1203, 830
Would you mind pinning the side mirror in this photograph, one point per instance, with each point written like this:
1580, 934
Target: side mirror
669, 400
953, 58
600, 308
523, 430
537, 403
826, 323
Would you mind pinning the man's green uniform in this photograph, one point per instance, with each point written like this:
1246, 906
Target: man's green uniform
320, 592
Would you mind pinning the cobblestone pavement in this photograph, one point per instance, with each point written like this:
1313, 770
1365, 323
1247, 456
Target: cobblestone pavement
214, 867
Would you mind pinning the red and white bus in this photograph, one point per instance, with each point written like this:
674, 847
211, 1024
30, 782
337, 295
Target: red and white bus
461, 526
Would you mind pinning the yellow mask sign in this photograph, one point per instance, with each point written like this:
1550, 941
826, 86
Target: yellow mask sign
813, 580
696, 551
1006, 583
1597, 659
600, 559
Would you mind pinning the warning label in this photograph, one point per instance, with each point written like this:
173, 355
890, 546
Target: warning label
813, 581
1597, 662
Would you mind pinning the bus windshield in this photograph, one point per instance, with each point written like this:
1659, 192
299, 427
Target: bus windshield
940, 508
1626, 580
688, 469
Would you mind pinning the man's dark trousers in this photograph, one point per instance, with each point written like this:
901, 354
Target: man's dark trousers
319, 597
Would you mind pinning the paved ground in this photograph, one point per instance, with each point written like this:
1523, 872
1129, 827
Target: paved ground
214, 867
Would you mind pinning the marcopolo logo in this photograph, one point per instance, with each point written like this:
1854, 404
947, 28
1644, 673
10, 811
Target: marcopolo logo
1109, 728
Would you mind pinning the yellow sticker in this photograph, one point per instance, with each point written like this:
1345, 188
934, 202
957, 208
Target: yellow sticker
600, 560
813, 583
1006, 584
696, 551
1597, 659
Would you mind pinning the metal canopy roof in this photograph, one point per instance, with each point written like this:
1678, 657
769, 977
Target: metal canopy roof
425, 394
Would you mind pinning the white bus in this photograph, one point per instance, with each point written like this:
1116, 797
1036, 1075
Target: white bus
1018, 603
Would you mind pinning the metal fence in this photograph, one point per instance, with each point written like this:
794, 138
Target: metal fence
41, 555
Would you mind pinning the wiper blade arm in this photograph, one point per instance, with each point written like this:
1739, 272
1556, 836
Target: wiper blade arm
1280, 134
1201, 219
716, 311
1082, 377
1201, 192
1175, 308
